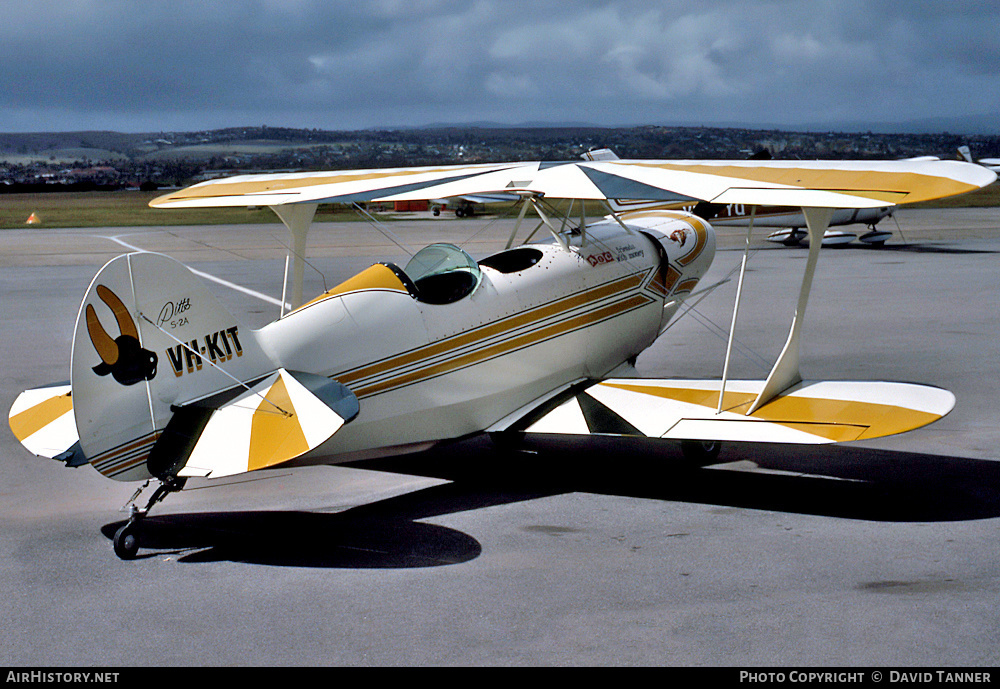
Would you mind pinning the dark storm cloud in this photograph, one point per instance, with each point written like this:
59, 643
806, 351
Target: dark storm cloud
75, 64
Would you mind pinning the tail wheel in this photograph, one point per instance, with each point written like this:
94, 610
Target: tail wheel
127, 541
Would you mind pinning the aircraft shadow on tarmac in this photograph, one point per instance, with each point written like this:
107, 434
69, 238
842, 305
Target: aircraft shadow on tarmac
842, 482
303, 539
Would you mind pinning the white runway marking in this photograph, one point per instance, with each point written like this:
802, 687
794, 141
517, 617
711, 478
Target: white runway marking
208, 276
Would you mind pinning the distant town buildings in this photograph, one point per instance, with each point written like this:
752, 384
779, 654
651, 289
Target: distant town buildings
109, 160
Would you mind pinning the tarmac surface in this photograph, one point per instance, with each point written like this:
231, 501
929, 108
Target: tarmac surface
878, 553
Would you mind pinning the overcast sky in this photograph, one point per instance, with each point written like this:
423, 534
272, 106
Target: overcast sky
152, 65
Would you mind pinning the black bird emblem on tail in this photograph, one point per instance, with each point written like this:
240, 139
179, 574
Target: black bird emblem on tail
123, 357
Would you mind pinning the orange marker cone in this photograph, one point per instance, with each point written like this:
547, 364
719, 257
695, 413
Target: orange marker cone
33, 220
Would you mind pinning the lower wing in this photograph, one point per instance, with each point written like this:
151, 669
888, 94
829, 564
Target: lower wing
810, 412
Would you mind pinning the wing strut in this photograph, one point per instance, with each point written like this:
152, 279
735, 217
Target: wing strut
548, 223
297, 217
613, 214
517, 225
786, 369
736, 308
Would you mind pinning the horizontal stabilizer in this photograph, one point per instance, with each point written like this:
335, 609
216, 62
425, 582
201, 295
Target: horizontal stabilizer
281, 417
807, 413
42, 419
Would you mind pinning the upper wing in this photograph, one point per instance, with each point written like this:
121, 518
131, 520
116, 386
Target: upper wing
825, 184
341, 186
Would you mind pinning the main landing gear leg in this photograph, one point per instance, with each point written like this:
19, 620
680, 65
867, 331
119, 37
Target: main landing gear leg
126, 540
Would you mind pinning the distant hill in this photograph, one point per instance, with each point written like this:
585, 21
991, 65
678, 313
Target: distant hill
972, 125
114, 159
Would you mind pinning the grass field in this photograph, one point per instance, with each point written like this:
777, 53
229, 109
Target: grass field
131, 208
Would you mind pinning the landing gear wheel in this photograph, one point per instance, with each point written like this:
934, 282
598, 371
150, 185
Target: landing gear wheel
127, 542
699, 453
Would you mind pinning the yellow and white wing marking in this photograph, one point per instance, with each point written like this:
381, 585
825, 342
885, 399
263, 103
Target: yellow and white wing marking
42, 419
276, 420
807, 413
820, 184
339, 186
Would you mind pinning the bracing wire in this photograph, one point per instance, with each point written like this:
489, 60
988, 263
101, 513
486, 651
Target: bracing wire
503, 216
291, 252
386, 232
213, 364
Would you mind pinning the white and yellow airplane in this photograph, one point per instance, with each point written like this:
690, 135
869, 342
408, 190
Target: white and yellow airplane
166, 385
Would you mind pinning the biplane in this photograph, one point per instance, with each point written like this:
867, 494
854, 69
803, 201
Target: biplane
166, 385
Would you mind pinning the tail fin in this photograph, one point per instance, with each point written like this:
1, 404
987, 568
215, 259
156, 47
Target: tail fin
150, 337
600, 154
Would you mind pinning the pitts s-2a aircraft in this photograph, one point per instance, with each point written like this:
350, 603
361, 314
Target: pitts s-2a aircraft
166, 385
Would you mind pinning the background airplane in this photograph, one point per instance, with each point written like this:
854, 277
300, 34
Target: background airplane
989, 163
466, 206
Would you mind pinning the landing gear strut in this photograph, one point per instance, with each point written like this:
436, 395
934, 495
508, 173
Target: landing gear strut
126, 541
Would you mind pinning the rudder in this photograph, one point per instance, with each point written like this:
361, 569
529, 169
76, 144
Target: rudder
149, 338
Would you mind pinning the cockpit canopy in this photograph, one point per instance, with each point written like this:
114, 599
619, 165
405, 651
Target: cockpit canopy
442, 274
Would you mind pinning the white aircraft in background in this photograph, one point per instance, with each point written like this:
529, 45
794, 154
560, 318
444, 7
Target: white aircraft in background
465, 206
166, 385
989, 163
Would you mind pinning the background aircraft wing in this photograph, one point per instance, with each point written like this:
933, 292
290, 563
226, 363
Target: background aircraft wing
830, 184
488, 198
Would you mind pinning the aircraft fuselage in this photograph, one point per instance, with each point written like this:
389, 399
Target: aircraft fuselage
539, 317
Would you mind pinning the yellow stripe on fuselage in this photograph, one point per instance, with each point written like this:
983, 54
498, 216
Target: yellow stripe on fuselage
377, 276
507, 346
492, 330
126, 456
